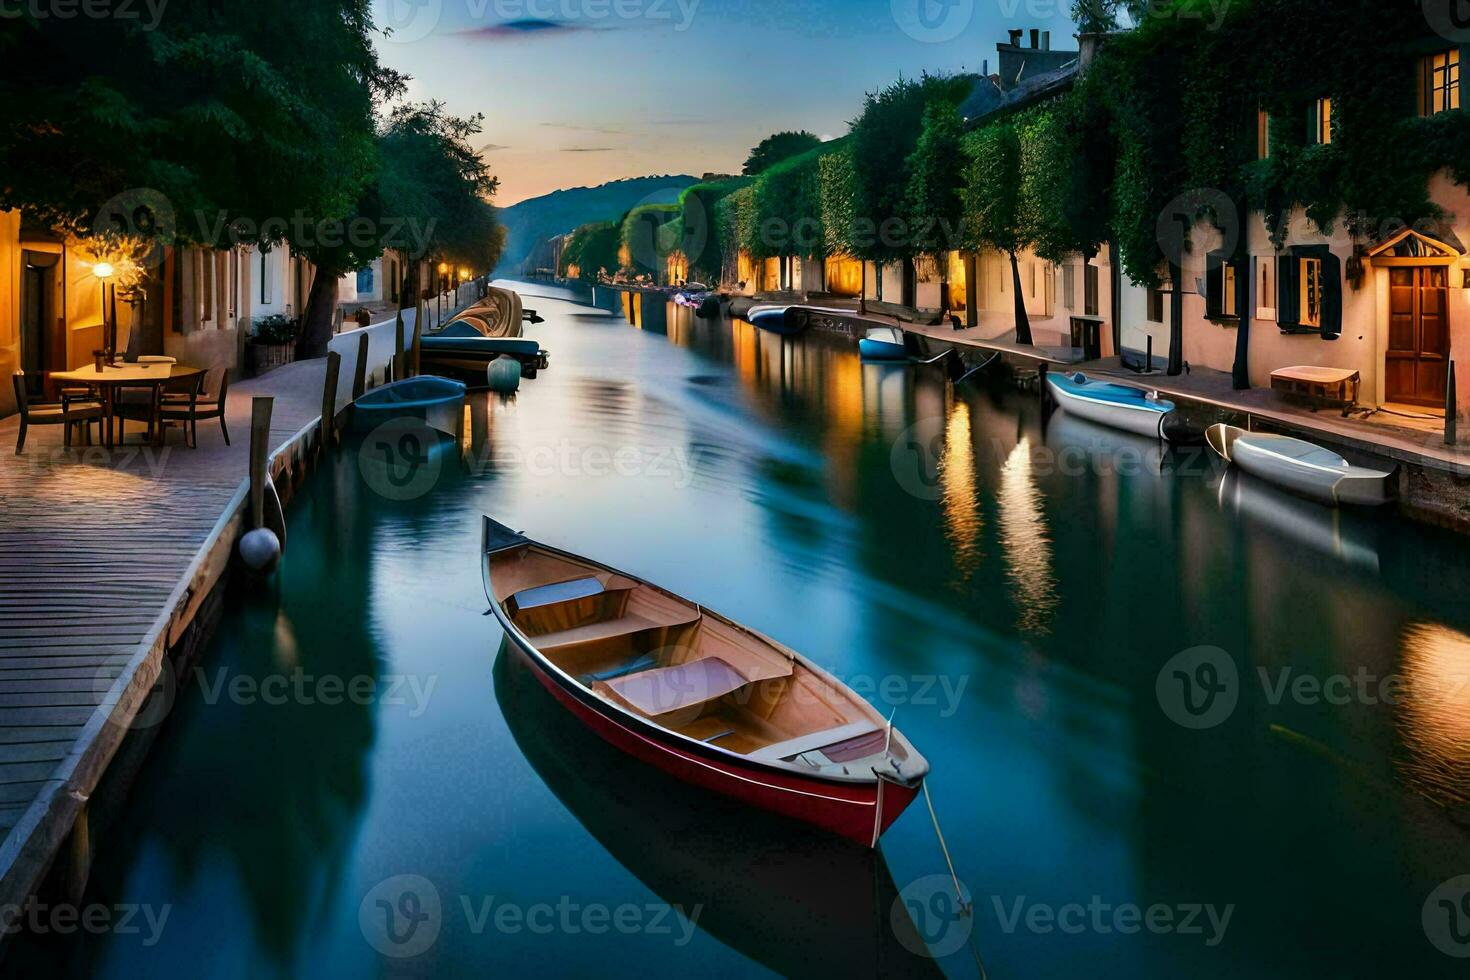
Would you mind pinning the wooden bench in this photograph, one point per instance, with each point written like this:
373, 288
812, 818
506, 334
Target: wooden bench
669, 689
1319, 386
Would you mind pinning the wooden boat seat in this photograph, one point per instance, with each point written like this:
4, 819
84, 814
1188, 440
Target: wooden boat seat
814, 740
638, 609
669, 689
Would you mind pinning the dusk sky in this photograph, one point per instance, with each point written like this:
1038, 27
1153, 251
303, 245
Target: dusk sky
579, 92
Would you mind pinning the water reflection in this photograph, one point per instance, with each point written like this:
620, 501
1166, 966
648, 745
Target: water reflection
1330, 531
800, 903
963, 520
1025, 542
1435, 714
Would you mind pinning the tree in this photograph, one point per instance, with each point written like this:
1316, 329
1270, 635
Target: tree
773, 149
994, 204
883, 138
594, 249
936, 173
430, 197
226, 118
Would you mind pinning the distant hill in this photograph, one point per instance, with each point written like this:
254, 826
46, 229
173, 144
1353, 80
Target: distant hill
535, 220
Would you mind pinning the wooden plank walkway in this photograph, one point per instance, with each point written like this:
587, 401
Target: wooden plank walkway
104, 560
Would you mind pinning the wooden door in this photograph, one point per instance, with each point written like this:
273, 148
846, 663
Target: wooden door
1417, 367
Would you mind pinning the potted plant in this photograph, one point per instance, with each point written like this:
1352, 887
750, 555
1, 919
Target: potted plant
272, 343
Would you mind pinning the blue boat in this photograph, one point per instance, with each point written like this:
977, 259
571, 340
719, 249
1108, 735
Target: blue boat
883, 344
438, 402
1119, 406
464, 351
776, 319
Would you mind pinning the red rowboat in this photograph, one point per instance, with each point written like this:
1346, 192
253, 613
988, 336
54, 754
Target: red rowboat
697, 695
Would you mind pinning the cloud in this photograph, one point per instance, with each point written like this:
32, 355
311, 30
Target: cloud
492, 147
524, 27
604, 130
588, 149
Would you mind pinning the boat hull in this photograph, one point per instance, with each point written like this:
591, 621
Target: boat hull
777, 320
467, 360
437, 402
850, 810
1129, 418
1303, 468
882, 350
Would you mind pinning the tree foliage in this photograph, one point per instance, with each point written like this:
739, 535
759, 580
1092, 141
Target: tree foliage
883, 138
593, 249
773, 149
934, 207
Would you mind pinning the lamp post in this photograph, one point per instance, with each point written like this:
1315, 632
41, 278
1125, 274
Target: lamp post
104, 273
443, 272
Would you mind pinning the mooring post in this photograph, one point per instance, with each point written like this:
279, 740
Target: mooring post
417, 349
260, 437
329, 399
1451, 408
78, 859
359, 380
398, 347
337, 320
1148, 357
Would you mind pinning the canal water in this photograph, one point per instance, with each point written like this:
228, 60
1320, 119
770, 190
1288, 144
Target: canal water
1179, 725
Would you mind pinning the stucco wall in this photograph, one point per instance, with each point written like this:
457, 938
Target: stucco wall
9, 306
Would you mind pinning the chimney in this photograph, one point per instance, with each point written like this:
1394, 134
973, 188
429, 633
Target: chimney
1035, 38
1015, 38
1046, 40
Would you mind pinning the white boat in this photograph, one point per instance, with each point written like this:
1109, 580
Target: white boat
1302, 467
883, 344
1119, 406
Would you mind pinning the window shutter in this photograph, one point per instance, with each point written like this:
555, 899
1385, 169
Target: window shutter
1331, 296
1214, 287
1287, 299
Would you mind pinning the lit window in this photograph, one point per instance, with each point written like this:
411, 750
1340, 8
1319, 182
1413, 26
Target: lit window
1311, 292
1263, 134
1322, 121
1227, 298
1439, 83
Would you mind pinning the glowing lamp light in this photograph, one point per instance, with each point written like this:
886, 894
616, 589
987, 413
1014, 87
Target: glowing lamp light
464, 273
103, 270
443, 267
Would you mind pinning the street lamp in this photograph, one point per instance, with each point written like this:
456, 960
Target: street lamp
104, 273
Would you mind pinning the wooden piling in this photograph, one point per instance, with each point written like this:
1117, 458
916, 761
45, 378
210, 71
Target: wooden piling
1451, 409
359, 380
416, 355
329, 400
260, 440
397, 359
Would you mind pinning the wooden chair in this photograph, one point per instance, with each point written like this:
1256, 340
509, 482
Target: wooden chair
68, 413
191, 408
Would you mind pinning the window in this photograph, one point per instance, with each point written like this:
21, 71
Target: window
1263, 134
1069, 286
1089, 289
1309, 291
1310, 310
1322, 122
267, 280
1220, 288
1439, 82
1032, 267
1266, 293
1156, 304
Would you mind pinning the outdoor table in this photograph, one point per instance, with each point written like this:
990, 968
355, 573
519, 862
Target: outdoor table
115, 376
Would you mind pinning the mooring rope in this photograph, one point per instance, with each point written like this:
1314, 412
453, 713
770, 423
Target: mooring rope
966, 908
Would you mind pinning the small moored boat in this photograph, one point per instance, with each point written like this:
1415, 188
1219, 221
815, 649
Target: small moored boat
438, 402
883, 344
697, 695
465, 347
1302, 467
1120, 406
775, 319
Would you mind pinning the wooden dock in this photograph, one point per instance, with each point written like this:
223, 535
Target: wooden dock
106, 560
